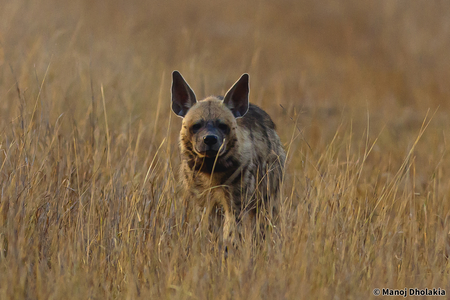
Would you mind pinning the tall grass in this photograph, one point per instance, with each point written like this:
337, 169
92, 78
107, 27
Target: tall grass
90, 206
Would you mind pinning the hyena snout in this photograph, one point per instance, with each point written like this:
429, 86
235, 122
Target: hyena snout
209, 144
210, 139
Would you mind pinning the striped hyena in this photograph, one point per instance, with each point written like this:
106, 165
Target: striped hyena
232, 157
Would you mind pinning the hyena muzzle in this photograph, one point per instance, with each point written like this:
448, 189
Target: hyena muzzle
232, 157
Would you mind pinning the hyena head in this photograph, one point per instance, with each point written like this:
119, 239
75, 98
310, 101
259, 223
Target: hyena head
209, 126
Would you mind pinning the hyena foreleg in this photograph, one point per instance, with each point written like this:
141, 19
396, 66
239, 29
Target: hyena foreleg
217, 213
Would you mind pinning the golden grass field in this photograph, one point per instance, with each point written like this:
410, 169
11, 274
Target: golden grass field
89, 202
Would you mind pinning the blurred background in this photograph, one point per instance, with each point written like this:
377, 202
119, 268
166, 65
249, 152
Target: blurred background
318, 64
89, 157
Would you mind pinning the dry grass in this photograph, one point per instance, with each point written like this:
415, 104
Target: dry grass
88, 147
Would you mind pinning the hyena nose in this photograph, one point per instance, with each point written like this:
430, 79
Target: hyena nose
210, 140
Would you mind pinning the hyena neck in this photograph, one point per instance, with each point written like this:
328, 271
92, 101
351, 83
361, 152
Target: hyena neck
211, 165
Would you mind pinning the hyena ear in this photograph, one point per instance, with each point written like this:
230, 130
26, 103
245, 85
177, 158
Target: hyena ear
183, 96
236, 99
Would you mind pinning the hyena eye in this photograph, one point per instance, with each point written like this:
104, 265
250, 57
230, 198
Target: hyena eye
196, 127
223, 127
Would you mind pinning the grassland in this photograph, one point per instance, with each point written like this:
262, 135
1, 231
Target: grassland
89, 203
